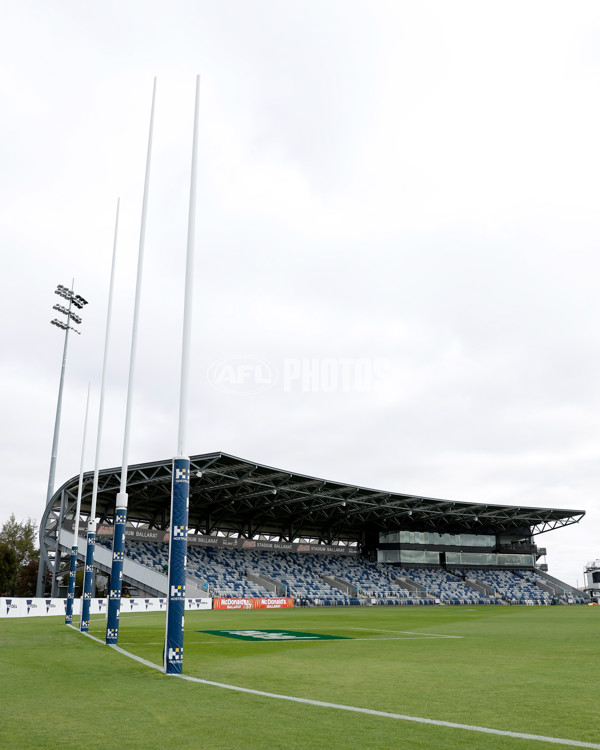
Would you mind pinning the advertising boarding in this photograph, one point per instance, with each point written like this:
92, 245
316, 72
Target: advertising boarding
244, 603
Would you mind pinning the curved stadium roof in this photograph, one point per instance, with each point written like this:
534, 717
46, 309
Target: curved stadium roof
236, 496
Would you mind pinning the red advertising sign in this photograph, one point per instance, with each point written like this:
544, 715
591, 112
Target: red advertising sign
235, 603
280, 603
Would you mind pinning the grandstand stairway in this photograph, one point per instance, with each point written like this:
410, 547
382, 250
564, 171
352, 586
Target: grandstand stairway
560, 589
546, 587
477, 586
271, 584
345, 587
410, 586
337, 583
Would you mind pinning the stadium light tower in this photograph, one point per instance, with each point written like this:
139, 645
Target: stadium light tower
77, 301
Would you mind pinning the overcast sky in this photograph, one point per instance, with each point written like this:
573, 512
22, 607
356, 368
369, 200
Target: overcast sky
397, 242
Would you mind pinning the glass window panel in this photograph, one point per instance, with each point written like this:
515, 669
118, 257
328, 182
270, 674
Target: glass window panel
419, 556
388, 555
471, 558
516, 560
432, 537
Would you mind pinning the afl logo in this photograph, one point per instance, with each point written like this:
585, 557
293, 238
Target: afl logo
245, 375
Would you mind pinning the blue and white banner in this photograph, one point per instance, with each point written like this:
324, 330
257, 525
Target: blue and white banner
180, 494
71, 589
88, 581
116, 576
34, 607
11, 607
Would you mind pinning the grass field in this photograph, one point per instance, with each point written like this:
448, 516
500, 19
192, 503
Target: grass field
528, 670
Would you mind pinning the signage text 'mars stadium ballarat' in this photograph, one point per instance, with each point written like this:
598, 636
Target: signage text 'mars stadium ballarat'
153, 535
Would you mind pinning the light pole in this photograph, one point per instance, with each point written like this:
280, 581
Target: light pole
73, 300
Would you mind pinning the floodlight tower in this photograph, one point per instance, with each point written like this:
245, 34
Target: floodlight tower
73, 300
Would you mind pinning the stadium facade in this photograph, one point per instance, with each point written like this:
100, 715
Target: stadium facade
413, 543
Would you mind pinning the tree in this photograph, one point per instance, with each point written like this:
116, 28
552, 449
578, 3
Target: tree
27, 578
20, 538
9, 569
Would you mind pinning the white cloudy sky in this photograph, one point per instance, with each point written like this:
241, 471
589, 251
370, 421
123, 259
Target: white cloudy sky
407, 187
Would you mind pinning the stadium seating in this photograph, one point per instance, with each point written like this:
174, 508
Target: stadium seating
448, 588
297, 578
219, 578
322, 579
509, 586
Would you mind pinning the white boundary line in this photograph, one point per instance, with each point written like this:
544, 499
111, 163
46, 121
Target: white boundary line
409, 632
354, 709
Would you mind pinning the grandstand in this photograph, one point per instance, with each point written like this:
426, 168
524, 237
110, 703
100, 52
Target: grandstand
257, 531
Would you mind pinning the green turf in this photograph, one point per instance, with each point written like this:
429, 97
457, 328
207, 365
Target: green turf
522, 669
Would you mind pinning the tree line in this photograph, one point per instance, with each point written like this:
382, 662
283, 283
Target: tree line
19, 558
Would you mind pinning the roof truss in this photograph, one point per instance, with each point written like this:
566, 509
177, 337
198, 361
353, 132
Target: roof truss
233, 496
